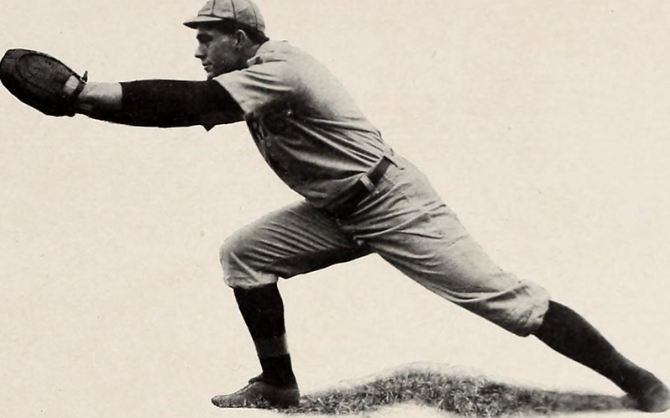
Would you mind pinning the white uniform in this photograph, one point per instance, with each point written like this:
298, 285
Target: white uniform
314, 137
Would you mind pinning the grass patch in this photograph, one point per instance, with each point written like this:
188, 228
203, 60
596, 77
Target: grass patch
466, 395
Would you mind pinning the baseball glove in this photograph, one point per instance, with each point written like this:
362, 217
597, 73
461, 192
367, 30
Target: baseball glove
39, 81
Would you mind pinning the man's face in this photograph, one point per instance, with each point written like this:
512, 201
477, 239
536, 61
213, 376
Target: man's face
218, 52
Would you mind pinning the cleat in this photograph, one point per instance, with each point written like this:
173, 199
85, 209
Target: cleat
259, 394
651, 396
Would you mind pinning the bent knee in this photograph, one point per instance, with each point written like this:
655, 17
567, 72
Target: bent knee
242, 269
239, 245
228, 248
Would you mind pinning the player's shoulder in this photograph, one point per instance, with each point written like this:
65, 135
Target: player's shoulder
280, 51
282, 61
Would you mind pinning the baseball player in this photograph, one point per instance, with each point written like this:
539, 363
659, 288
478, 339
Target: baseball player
360, 197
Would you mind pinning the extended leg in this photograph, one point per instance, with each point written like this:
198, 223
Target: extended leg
571, 335
409, 226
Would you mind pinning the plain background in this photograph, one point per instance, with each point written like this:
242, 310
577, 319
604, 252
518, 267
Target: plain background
543, 125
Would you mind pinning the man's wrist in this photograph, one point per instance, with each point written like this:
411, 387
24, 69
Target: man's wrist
102, 96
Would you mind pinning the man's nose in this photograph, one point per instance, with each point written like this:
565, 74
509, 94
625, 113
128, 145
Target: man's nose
200, 52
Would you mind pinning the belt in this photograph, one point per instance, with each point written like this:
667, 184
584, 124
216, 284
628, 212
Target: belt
360, 191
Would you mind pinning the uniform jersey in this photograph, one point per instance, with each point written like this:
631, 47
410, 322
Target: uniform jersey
304, 123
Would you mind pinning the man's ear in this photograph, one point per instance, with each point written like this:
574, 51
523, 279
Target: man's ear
240, 38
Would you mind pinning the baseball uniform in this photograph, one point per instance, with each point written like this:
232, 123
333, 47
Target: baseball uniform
313, 136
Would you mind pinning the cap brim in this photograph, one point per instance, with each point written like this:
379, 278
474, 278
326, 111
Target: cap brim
199, 20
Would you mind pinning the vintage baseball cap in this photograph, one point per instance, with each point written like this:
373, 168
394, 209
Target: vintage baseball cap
241, 11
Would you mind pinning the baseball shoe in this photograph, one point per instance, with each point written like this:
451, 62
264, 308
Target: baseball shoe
259, 393
651, 395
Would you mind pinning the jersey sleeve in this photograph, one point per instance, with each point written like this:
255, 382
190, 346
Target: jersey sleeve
261, 85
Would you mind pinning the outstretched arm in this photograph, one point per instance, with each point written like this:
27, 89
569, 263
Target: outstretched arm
158, 103
51, 87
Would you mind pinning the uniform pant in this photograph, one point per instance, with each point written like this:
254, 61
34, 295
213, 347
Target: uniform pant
406, 223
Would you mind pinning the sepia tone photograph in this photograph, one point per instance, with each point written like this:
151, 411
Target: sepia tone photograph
326, 208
